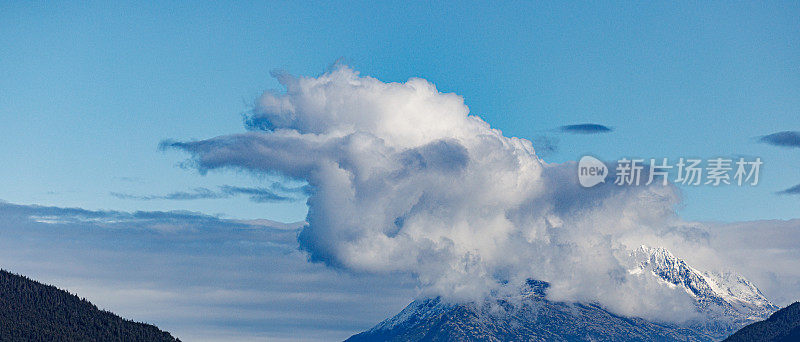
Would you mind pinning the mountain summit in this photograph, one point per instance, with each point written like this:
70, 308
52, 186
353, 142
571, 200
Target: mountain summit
727, 301
727, 296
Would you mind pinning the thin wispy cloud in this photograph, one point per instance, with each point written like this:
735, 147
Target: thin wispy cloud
197, 193
283, 188
258, 195
783, 139
795, 190
586, 128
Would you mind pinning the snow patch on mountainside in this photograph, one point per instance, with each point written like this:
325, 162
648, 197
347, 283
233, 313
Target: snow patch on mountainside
721, 295
419, 310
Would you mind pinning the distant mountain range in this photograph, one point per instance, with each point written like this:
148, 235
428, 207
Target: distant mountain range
729, 302
31, 311
782, 326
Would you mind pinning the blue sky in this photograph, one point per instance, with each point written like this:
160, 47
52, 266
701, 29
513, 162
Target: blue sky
89, 90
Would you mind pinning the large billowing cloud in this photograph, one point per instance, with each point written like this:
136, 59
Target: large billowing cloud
405, 180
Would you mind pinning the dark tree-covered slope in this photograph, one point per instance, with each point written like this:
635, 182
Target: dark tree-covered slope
31, 311
782, 326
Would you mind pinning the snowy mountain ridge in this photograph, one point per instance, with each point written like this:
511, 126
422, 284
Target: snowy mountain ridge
727, 300
719, 294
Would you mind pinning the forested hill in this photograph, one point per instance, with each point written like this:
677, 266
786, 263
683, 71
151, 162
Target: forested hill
782, 326
31, 311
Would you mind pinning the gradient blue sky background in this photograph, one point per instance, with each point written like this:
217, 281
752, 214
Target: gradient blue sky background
88, 90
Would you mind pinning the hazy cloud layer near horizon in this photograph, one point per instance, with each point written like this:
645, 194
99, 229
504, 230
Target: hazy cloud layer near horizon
197, 276
207, 279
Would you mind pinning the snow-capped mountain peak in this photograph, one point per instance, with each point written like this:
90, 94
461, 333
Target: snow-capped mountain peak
727, 294
728, 300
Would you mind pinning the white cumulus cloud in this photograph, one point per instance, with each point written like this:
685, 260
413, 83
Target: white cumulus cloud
405, 180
